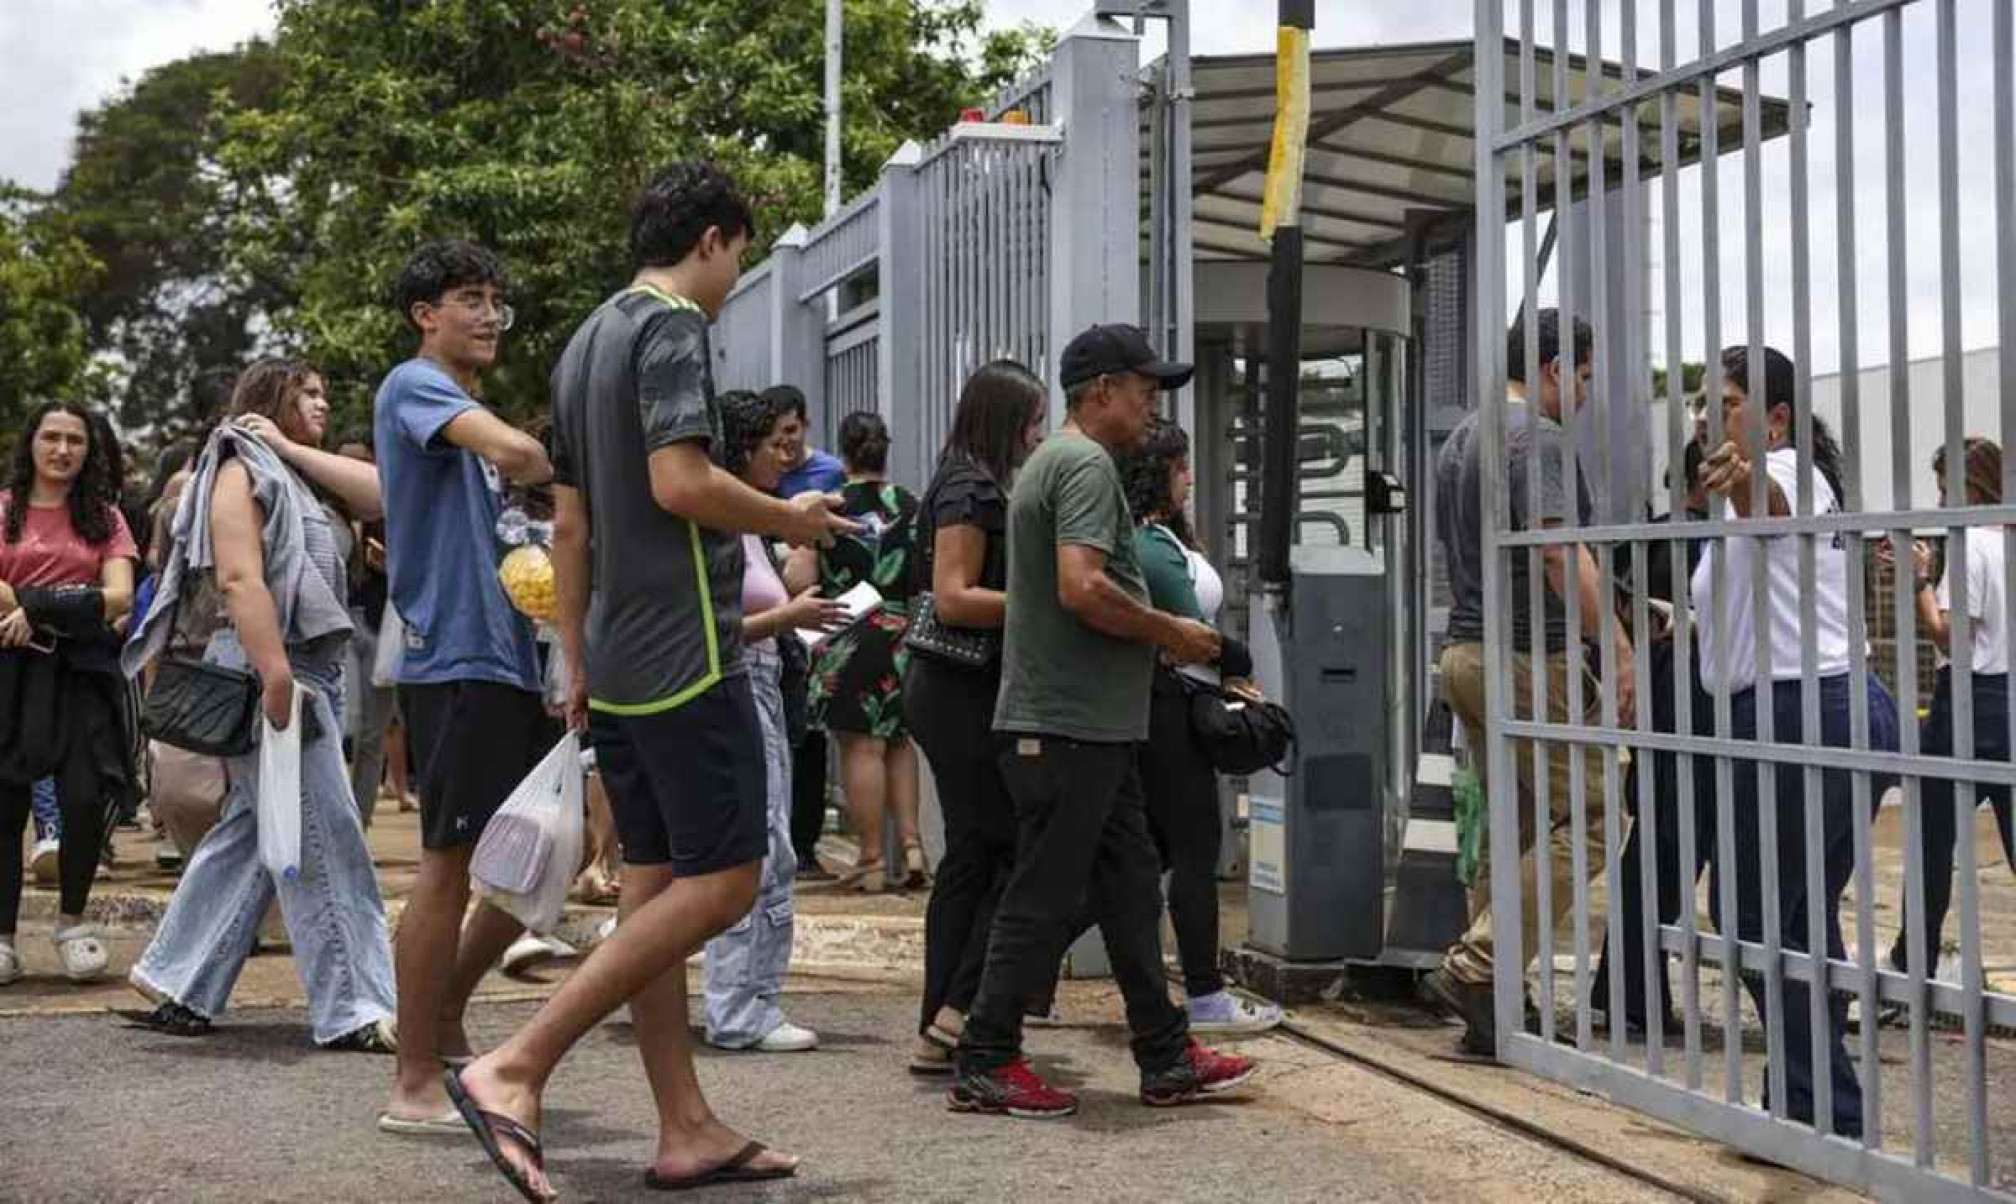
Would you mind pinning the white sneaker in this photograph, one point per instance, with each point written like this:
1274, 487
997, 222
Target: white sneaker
532, 950
787, 1038
45, 860
83, 953
1225, 1012
10, 966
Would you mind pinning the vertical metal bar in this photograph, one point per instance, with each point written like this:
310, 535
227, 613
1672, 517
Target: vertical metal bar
1578, 815
1607, 661
2004, 42
1819, 906
1711, 384
1677, 420
1858, 626
1907, 637
1765, 688
1653, 962
1489, 70
1529, 262
1964, 795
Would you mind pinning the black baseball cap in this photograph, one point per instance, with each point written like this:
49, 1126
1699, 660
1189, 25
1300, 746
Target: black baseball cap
1107, 349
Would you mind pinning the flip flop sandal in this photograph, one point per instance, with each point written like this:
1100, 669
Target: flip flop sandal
83, 954
735, 1170
448, 1124
486, 1126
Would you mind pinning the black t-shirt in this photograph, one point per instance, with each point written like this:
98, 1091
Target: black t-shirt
963, 495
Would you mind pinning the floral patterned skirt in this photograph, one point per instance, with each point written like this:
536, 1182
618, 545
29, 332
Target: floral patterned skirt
857, 678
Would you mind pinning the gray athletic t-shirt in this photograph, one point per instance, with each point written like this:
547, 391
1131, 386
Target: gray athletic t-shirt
1530, 438
665, 604
1058, 676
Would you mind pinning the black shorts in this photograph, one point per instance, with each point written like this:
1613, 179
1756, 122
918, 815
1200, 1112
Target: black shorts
686, 786
472, 743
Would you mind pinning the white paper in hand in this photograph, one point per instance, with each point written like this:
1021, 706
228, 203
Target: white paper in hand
529, 851
279, 805
861, 601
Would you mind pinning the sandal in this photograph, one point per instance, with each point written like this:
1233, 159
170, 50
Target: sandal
487, 1125
377, 1037
171, 1019
83, 954
917, 874
865, 876
735, 1170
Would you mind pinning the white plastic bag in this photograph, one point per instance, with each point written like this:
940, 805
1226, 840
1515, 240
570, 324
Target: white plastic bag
529, 851
391, 645
279, 805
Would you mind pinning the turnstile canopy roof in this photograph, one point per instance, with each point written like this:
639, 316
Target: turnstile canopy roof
1391, 146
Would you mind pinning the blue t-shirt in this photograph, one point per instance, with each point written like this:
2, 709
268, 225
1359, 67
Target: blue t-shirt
820, 471
441, 508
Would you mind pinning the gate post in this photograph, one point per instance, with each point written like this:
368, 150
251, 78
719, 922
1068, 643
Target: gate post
1095, 197
797, 330
898, 359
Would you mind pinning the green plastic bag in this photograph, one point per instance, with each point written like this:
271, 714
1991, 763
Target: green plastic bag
1472, 822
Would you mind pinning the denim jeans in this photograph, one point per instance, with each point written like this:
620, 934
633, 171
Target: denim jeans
746, 965
48, 815
335, 917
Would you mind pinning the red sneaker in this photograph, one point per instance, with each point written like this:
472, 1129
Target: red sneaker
1201, 1071
1011, 1090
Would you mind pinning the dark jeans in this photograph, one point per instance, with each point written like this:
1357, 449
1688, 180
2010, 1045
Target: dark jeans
808, 794
1991, 743
1082, 835
1182, 797
950, 713
1837, 845
80, 792
1674, 887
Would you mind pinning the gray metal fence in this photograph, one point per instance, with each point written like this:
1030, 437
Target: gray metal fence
1774, 768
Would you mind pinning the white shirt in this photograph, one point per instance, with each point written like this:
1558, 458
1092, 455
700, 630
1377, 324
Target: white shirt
1209, 586
1987, 600
1727, 624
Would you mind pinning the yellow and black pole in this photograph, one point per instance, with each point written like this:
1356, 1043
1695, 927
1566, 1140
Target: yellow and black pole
1280, 218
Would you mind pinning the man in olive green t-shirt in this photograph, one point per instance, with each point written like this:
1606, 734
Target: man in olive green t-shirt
1078, 649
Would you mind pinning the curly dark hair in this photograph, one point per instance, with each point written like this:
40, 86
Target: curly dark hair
440, 267
1145, 472
747, 419
676, 207
864, 442
94, 495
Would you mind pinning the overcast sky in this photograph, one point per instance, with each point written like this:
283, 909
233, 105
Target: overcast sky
65, 55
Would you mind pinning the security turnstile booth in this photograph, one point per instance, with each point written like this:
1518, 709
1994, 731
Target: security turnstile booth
1339, 868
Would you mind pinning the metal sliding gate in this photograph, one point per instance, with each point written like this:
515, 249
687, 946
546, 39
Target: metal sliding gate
1811, 814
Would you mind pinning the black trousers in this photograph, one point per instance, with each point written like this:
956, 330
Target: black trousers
950, 712
80, 792
1674, 883
808, 793
1181, 789
1991, 743
1082, 836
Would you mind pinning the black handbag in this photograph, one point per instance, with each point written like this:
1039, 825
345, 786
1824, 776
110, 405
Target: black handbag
202, 708
1237, 735
960, 647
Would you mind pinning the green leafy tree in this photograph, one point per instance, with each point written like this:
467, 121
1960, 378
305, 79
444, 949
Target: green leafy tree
167, 320
528, 124
44, 268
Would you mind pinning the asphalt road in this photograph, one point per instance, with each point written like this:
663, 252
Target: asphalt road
93, 1111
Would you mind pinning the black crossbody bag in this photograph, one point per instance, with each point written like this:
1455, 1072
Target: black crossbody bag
212, 710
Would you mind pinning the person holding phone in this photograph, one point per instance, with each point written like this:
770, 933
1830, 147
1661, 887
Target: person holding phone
256, 528
66, 574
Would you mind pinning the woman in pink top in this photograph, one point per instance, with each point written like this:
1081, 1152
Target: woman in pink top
746, 964
66, 575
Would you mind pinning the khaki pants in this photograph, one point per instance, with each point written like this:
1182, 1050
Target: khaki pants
1469, 960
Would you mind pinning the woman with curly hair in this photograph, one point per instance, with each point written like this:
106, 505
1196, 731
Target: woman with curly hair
1180, 784
745, 968
857, 677
66, 575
